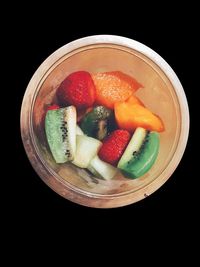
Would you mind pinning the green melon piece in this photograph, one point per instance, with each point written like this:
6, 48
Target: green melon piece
102, 169
86, 149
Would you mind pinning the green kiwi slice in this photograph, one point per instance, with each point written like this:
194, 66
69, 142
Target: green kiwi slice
140, 153
60, 128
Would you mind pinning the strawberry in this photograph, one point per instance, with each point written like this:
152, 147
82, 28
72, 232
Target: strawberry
114, 146
77, 89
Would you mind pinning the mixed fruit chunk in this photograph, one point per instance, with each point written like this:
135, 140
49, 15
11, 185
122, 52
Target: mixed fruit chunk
100, 125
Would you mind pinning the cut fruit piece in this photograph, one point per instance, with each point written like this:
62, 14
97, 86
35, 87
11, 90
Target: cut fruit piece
97, 122
134, 145
77, 89
60, 128
140, 153
86, 149
112, 87
114, 146
130, 116
102, 169
49, 107
79, 131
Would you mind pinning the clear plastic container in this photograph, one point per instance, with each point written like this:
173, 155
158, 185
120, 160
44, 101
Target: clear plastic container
162, 93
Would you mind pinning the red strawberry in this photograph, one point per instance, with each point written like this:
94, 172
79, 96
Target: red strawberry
114, 146
77, 89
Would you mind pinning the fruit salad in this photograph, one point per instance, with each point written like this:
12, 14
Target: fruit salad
98, 124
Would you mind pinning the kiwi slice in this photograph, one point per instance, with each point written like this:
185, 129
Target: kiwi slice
98, 122
60, 128
140, 153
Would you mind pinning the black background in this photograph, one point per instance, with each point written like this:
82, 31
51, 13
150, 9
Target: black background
36, 36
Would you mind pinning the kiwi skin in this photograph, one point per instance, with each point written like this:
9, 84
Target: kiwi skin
143, 159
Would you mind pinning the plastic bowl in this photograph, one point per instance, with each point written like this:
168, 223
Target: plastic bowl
162, 93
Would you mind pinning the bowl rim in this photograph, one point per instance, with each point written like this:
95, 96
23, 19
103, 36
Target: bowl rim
57, 185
